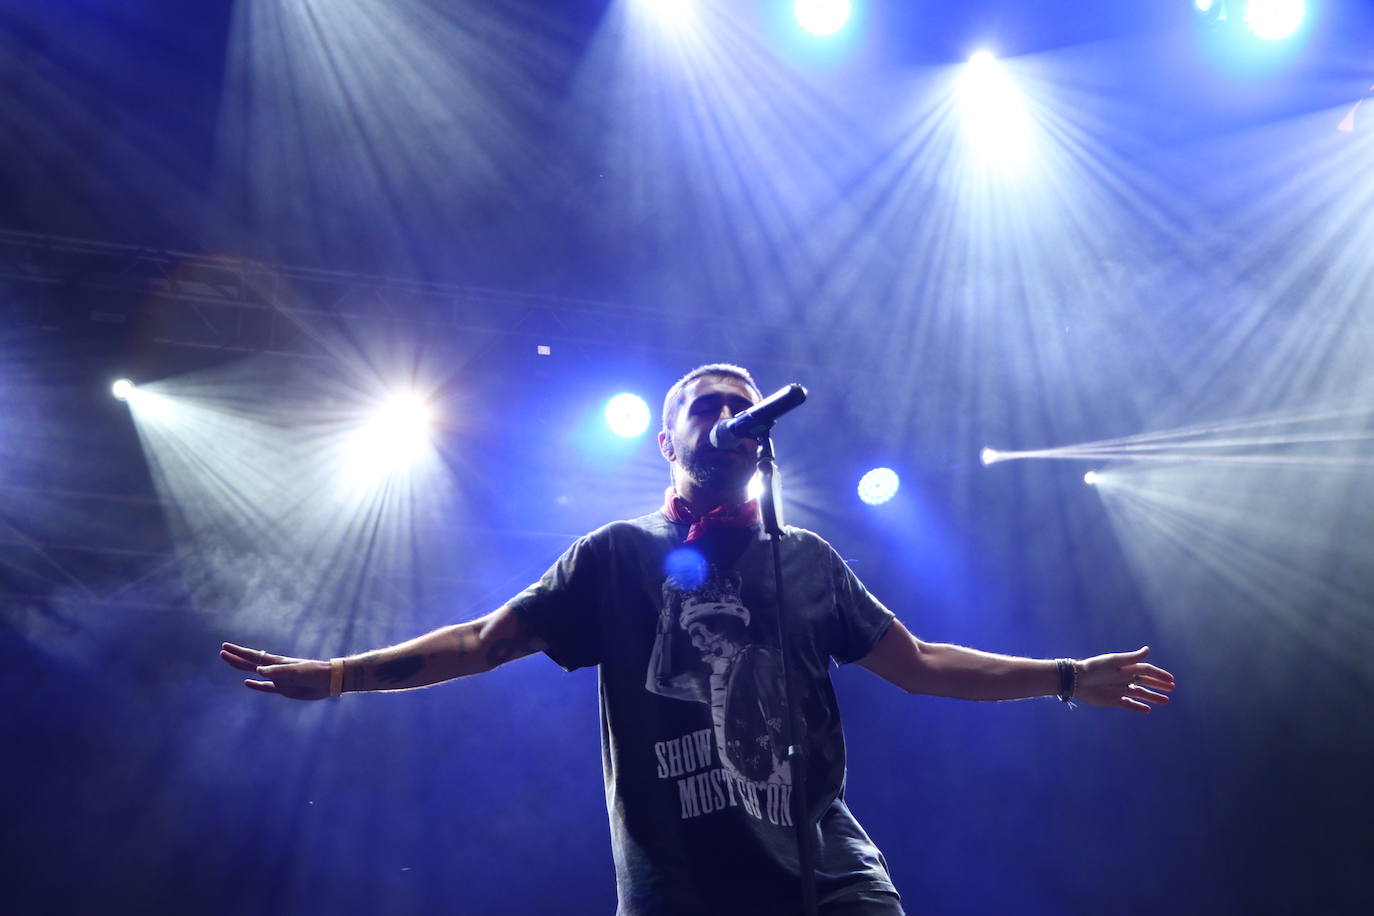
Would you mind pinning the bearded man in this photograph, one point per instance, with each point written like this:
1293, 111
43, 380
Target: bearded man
699, 807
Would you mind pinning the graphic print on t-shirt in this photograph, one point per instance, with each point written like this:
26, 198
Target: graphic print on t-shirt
706, 651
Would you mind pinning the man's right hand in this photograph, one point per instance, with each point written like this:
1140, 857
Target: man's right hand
297, 678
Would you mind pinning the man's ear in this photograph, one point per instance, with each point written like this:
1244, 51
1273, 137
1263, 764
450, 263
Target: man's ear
665, 445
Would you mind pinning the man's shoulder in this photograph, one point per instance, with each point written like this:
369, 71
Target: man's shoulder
808, 538
654, 524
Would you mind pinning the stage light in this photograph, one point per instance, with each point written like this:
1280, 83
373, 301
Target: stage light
1272, 20
627, 415
822, 17
996, 124
878, 486
145, 404
394, 436
670, 12
1267, 20
1091, 478
1254, 37
988, 456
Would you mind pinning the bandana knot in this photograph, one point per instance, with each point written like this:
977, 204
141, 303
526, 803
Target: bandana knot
677, 509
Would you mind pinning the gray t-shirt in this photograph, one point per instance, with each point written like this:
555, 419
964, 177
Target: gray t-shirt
692, 707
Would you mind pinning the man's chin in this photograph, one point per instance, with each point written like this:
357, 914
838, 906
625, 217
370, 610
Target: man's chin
715, 481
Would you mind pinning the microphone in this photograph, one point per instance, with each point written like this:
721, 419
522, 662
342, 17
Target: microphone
757, 420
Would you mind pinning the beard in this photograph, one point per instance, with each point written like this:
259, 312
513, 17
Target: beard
713, 469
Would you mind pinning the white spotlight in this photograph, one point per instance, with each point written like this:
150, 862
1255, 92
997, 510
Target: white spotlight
996, 124
145, 404
1092, 478
1272, 20
627, 415
670, 12
822, 17
395, 435
878, 486
988, 456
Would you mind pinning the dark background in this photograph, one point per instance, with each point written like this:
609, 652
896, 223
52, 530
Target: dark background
270, 207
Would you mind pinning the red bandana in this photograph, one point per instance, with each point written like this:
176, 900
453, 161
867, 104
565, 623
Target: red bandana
678, 510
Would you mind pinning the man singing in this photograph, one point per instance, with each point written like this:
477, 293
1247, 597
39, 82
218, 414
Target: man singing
678, 609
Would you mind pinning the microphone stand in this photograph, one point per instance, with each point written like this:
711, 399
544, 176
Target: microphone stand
770, 506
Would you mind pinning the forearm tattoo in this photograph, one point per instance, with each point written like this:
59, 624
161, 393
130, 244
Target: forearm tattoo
395, 671
355, 674
400, 670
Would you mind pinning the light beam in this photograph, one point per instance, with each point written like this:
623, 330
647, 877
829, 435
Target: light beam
1217, 443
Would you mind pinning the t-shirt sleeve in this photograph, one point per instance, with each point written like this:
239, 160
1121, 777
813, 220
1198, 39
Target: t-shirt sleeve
561, 608
860, 619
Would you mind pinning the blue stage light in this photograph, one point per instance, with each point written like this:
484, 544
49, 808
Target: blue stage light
627, 415
1254, 37
1273, 20
822, 17
878, 486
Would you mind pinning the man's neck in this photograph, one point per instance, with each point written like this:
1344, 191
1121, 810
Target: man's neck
702, 500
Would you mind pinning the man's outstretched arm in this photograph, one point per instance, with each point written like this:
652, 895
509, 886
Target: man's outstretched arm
1120, 679
441, 655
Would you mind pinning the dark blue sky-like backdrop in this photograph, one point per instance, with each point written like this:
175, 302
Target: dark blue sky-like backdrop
271, 213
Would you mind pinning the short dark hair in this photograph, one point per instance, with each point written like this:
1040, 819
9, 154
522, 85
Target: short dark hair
672, 402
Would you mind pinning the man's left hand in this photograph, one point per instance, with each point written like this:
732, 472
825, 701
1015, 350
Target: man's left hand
1123, 679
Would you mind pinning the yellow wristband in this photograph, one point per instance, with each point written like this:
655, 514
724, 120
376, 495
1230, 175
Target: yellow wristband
336, 673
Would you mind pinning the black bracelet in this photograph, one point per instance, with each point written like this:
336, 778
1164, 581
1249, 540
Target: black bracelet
1068, 679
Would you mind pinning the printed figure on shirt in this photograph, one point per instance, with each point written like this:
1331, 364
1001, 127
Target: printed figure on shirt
707, 651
